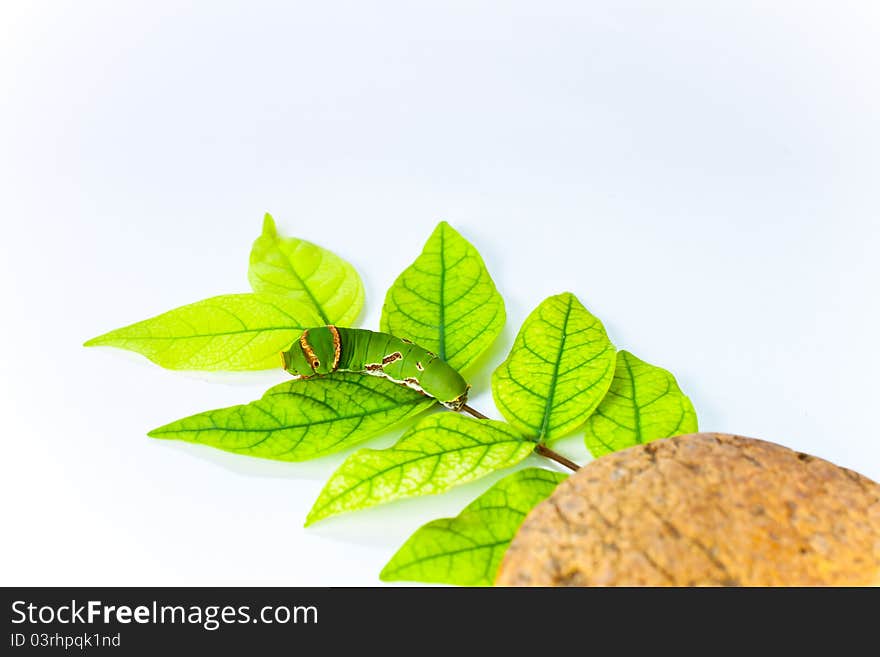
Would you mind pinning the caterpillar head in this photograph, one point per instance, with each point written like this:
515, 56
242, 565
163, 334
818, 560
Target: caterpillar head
294, 361
457, 403
316, 352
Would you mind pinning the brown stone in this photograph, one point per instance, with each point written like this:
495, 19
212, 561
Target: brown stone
703, 509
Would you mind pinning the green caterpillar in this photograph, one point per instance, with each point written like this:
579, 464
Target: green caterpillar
328, 349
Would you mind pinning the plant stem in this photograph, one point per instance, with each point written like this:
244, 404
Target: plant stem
541, 449
474, 412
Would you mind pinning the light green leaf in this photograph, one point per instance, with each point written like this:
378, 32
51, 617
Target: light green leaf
644, 403
308, 273
439, 453
301, 420
467, 550
229, 332
559, 369
446, 301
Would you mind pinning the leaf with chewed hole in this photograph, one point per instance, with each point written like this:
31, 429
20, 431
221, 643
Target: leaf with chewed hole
644, 403
446, 301
308, 273
442, 451
467, 550
228, 332
303, 419
557, 372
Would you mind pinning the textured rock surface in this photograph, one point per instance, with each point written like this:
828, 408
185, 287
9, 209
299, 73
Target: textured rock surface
702, 509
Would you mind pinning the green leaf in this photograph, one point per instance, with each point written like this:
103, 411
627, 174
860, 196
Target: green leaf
559, 369
644, 403
439, 453
229, 332
301, 420
446, 301
467, 550
308, 273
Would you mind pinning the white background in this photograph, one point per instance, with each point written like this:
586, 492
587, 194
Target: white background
704, 176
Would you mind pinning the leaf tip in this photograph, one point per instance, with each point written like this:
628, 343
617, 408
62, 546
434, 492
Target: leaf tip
312, 518
166, 431
98, 341
269, 227
443, 227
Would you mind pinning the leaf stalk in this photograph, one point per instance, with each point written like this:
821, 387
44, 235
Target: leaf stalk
540, 448
545, 451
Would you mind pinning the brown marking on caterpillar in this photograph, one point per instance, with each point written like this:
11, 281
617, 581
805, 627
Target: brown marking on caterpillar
419, 366
390, 358
375, 369
308, 351
407, 341
337, 346
457, 403
410, 382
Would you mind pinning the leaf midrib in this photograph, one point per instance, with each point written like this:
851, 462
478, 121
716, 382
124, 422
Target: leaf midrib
303, 283
548, 405
97, 341
415, 563
306, 424
424, 456
637, 412
442, 326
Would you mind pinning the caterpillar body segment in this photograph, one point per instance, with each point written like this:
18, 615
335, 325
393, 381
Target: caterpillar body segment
326, 349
